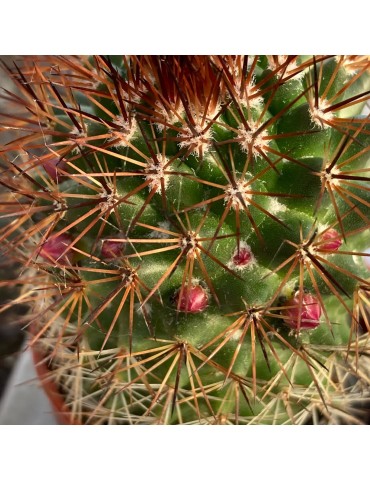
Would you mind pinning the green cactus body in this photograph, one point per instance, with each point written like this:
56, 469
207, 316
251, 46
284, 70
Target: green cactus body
192, 232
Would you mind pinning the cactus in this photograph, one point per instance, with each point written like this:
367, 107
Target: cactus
193, 235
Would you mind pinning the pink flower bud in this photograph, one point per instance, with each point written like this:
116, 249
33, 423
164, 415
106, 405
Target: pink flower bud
331, 240
111, 249
51, 167
54, 249
193, 299
243, 257
310, 312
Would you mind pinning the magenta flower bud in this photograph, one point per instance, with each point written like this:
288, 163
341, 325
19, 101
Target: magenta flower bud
50, 167
331, 240
243, 257
111, 249
310, 312
54, 249
193, 299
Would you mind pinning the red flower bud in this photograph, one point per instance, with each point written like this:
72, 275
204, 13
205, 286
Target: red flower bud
193, 299
243, 257
51, 167
111, 249
331, 240
54, 249
310, 312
